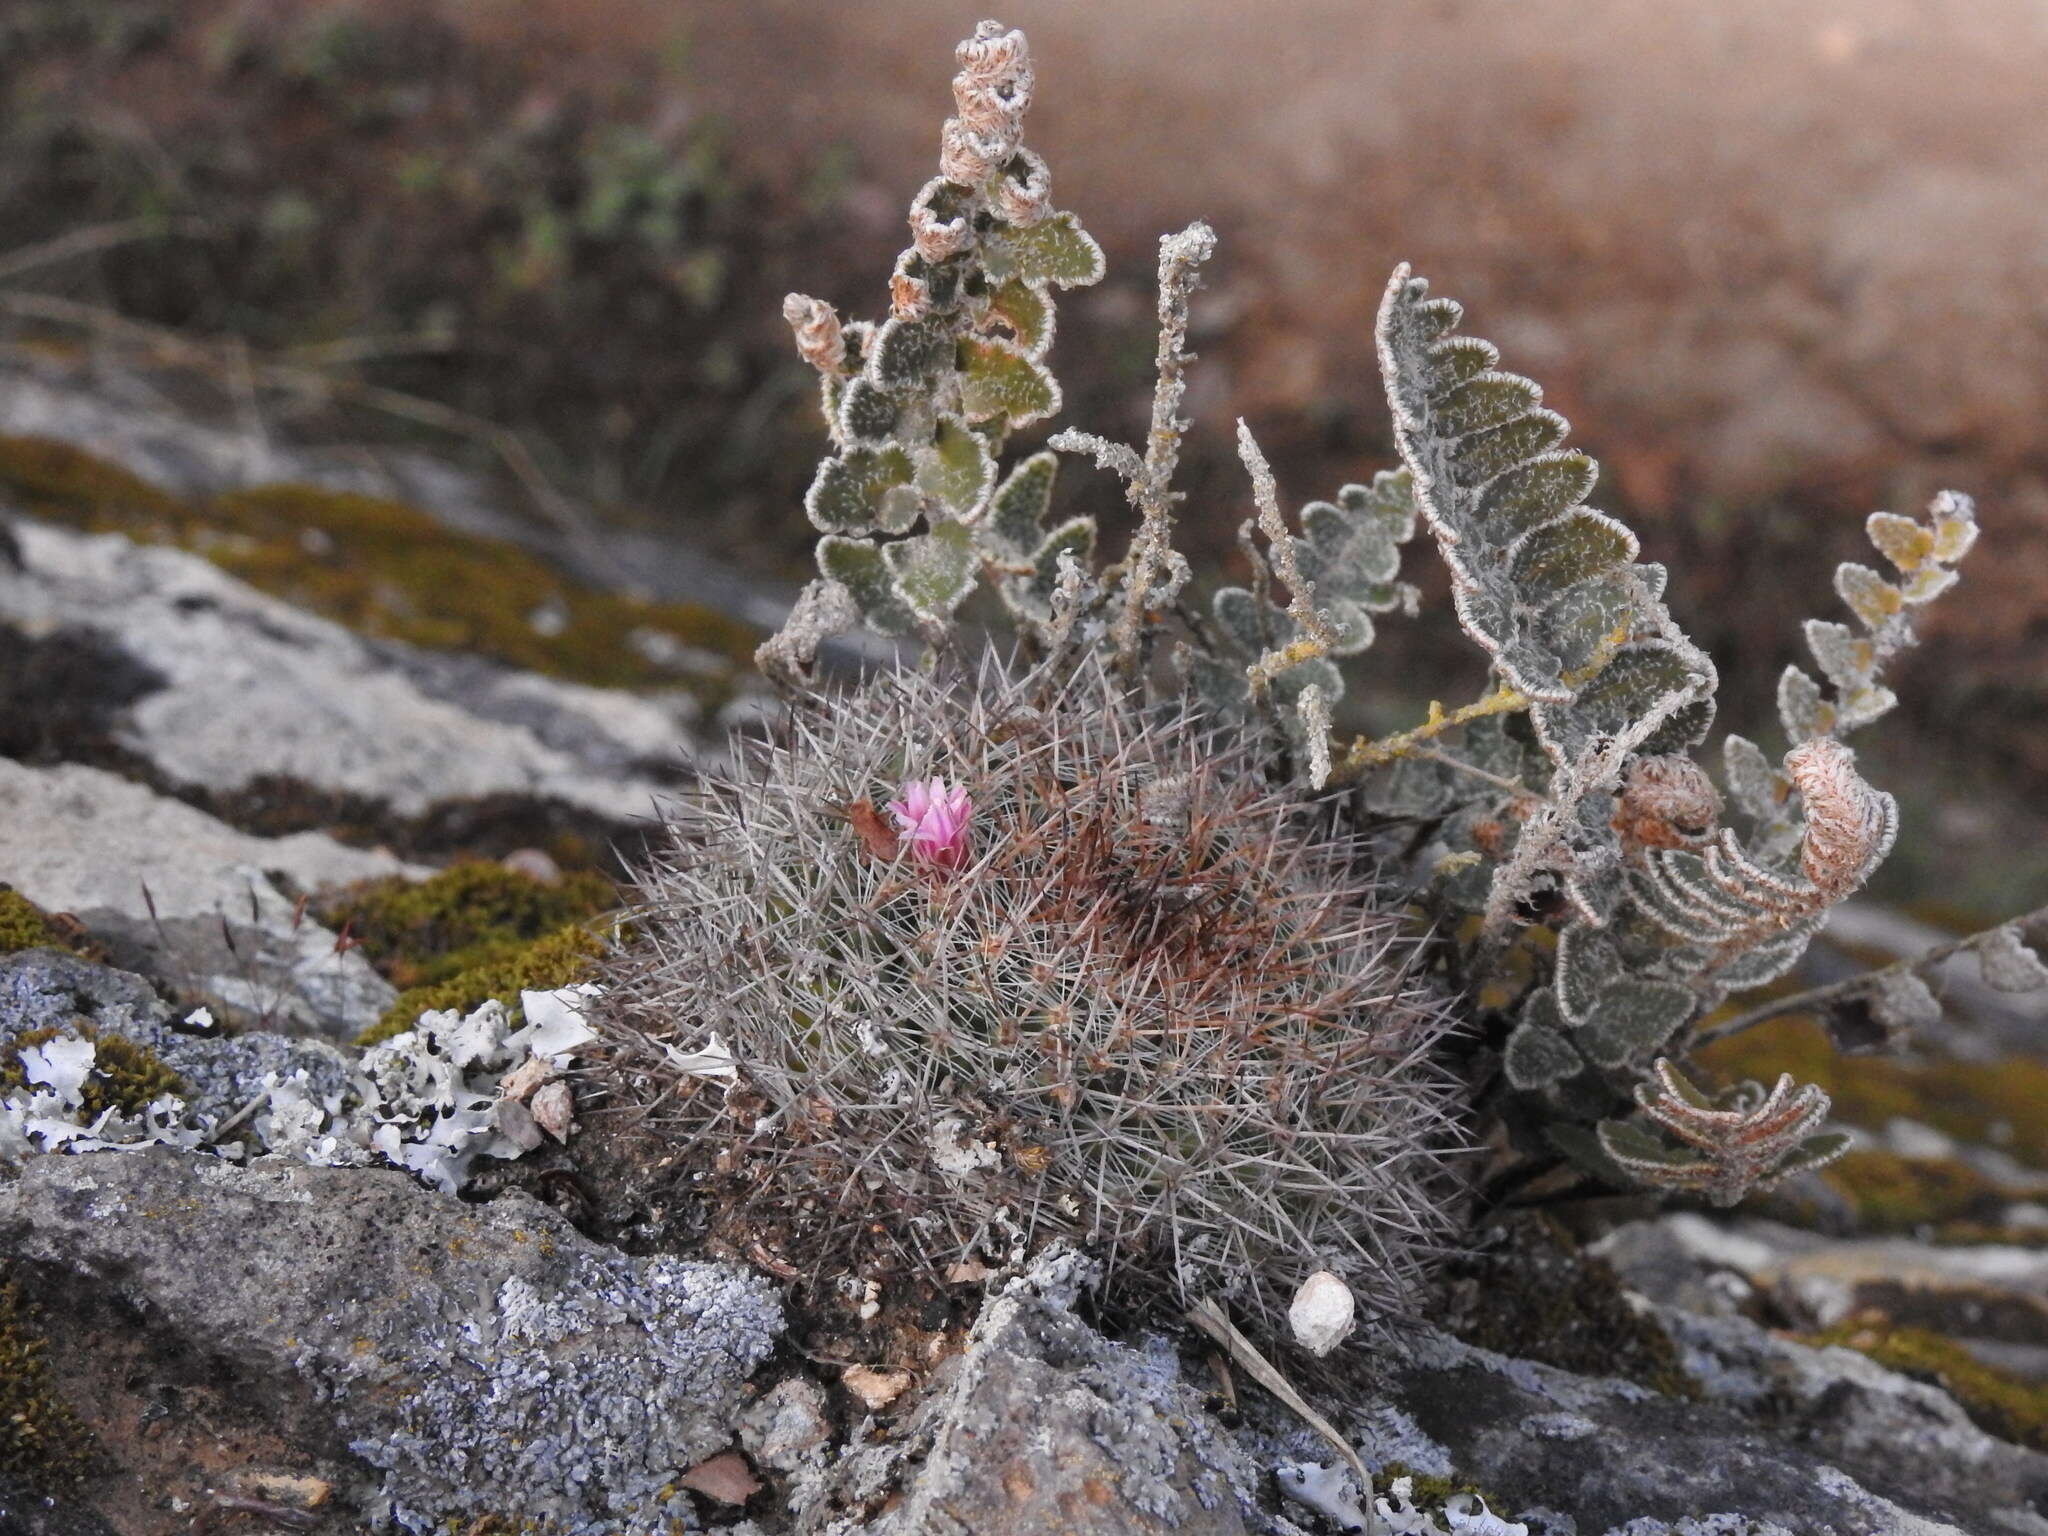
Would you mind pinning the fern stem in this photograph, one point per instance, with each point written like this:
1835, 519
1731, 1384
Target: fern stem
1152, 555
1363, 754
1862, 982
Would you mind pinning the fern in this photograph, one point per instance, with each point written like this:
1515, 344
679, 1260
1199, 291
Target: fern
918, 408
1565, 800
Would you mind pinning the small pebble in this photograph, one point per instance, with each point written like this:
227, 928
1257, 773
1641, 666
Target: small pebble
877, 1389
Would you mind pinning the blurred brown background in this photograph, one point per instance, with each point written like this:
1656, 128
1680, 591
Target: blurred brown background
1780, 263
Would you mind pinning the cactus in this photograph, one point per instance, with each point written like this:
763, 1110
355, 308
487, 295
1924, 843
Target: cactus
1151, 1004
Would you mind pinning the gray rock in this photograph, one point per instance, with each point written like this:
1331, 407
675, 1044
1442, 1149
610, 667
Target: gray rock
122, 415
436, 1362
253, 687
190, 899
1043, 1425
1815, 1441
1988, 1291
43, 988
788, 1428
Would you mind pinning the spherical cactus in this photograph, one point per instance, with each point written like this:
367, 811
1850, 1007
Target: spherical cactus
1101, 984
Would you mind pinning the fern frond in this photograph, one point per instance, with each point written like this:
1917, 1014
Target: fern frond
1546, 585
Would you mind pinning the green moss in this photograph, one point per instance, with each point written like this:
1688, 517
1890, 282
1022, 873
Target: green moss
1429, 1494
2002, 1103
125, 1076
24, 925
1891, 1193
563, 957
1537, 1296
467, 917
381, 568
2000, 1404
69, 485
42, 1442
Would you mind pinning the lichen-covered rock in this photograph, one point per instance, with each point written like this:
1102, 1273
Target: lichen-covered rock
170, 889
45, 989
435, 1361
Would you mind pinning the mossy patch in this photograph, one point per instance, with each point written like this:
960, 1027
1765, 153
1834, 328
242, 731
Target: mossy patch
42, 1442
562, 958
465, 918
24, 925
1534, 1294
1429, 1494
125, 1076
387, 570
2002, 1104
1891, 1193
1999, 1403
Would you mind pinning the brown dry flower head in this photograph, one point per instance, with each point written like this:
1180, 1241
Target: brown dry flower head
1666, 802
1849, 825
818, 337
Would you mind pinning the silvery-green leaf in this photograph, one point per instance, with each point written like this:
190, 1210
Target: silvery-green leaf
1536, 1057
934, 571
956, 468
1586, 625
997, 379
1055, 250
1753, 783
1483, 455
1532, 494
1801, 710
1587, 965
1635, 1148
908, 354
846, 495
1766, 961
1482, 401
867, 412
1869, 596
1632, 1018
1814, 1152
1016, 520
1238, 614
1635, 681
857, 565
1027, 310
1845, 657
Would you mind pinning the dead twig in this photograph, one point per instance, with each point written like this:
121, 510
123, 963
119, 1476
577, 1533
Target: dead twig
94, 237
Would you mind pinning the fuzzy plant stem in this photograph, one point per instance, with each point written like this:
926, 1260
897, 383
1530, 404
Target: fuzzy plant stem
1541, 844
1862, 982
1317, 638
1363, 754
1149, 481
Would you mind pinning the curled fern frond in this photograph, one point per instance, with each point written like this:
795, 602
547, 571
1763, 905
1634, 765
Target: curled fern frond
1727, 1146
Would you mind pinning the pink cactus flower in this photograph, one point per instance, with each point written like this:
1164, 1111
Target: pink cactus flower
932, 818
